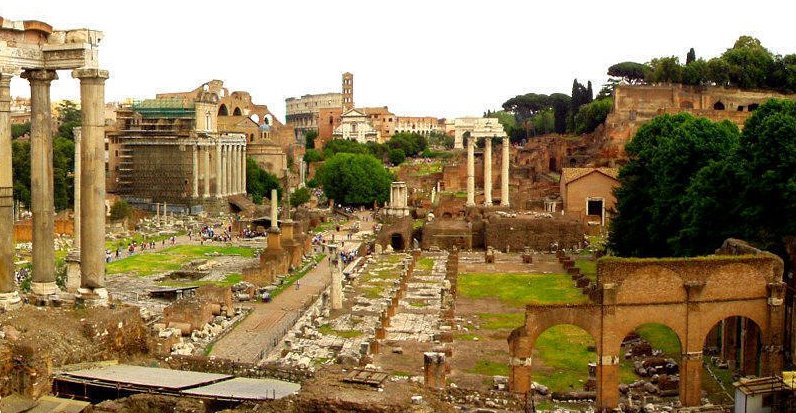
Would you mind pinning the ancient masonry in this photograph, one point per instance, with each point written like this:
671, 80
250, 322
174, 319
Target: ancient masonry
504, 176
36, 51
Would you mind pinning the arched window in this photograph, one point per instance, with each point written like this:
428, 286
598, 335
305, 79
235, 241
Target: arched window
237, 112
718, 106
222, 110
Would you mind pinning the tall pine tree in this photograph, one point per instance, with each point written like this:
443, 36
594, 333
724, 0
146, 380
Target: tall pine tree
690, 57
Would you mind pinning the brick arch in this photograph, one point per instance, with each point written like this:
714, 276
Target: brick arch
614, 346
651, 284
537, 322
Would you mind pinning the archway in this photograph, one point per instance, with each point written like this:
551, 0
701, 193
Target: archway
733, 349
222, 110
552, 165
718, 106
650, 362
397, 242
565, 361
237, 112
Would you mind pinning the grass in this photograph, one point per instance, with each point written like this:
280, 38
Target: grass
490, 368
325, 226
418, 223
373, 293
426, 169
425, 264
295, 276
171, 259
327, 330
587, 267
418, 303
466, 337
662, 338
518, 290
502, 321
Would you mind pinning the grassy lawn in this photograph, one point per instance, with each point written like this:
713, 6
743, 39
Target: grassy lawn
520, 289
490, 368
326, 329
171, 259
503, 321
662, 338
425, 264
587, 267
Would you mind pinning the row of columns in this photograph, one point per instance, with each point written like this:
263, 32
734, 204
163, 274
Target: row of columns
92, 187
504, 177
230, 169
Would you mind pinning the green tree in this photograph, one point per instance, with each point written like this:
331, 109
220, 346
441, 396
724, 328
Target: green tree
397, 156
664, 156
748, 63
63, 172
665, 70
309, 139
561, 105
121, 210
631, 72
336, 146
20, 129
592, 115
21, 170
355, 179
299, 197
260, 182
695, 73
690, 57
718, 72
68, 118
312, 155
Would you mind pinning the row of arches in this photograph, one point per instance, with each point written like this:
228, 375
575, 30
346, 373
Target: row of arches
224, 111
719, 105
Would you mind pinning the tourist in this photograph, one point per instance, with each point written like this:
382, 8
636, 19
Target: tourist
298, 284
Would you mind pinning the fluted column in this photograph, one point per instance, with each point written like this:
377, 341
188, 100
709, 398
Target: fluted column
206, 166
470, 171
78, 134
504, 173
488, 171
41, 181
243, 169
236, 165
9, 297
195, 171
228, 169
224, 161
219, 180
92, 184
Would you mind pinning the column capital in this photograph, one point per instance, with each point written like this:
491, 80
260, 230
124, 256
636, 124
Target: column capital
40, 75
90, 74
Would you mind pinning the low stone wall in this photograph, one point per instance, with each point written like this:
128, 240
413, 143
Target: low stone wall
223, 366
538, 234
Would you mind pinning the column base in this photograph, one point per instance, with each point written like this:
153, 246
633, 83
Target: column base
469, 204
10, 301
487, 204
92, 297
44, 289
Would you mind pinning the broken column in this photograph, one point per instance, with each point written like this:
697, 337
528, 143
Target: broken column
337, 290
487, 171
434, 370
92, 185
9, 297
470, 172
41, 182
504, 173
274, 241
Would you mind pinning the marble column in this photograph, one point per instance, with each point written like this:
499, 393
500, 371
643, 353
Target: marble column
224, 161
219, 180
92, 185
504, 173
9, 297
228, 169
206, 166
487, 171
238, 173
195, 170
41, 181
243, 170
470, 172
78, 134
274, 210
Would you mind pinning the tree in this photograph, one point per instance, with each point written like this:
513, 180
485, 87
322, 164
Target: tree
20, 129
748, 63
561, 105
21, 171
665, 70
309, 139
718, 71
592, 115
299, 197
412, 144
664, 156
355, 179
631, 72
695, 73
690, 57
397, 156
121, 210
336, 146
260, 182
607, 90
68, 118
312, 155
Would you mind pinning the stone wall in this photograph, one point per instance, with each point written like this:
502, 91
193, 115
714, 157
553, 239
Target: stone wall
23, 230
538, 234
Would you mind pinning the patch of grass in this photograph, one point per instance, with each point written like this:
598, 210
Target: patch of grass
326, 329
426, 169
171, 259
563, 350
501, 321
466, 337
587, 267
373, 292
662, 338
490, 368
520, 289
418, 303
296, 275
325, 226
425, 264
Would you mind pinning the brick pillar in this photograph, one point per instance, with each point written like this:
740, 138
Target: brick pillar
691, 379
520, 374
434, 370
607, 382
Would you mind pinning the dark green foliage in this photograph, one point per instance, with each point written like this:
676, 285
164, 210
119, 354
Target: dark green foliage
695, 73
121, 210
561, 105
355, 179
299, 197
607, 91
312, 155
68, 118
412, 144
397, 156
312, 183
665, 70
442, 140
260, 182
309, 139
21, 171
690, 57
20, 129
336, 146
631, 72
749, 63
63, 170
592, 115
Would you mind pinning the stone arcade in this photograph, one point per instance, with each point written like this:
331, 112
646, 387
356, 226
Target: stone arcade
36, 51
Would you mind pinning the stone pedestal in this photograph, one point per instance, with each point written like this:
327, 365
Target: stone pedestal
434, 370
337, 290
274, 239
92, 297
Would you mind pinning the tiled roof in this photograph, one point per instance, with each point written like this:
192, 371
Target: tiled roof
570, 174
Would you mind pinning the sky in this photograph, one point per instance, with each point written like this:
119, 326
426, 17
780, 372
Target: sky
419, 57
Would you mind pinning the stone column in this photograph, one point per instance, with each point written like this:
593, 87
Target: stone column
607, 373
78, 133
243, 171
274, 235
41, 182
487, 171
228, 170
238, 172
92, 185
206, 161
219, 180
470, 172
274, 210
337, 290
504, 173
195, 170
9, 297
224, 162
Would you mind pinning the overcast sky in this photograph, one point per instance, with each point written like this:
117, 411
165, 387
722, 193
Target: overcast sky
420, 58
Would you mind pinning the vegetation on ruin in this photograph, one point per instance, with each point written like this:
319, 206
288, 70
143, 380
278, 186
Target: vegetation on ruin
490, 368
425, 169
588, 267
260, 182
518, 289
691, 183
121, 210
299, 197
425, 263
171, 259
355, 179
327, 330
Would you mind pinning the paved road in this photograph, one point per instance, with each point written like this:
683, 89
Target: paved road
262, 329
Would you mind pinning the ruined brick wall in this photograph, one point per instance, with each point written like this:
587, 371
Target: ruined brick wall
447, 234
538, 234
23, 230
399, 226
216, 295
196, 313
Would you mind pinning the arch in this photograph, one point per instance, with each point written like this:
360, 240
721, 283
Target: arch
718, 106
736, 343
237, 112
222, 110
397, 241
